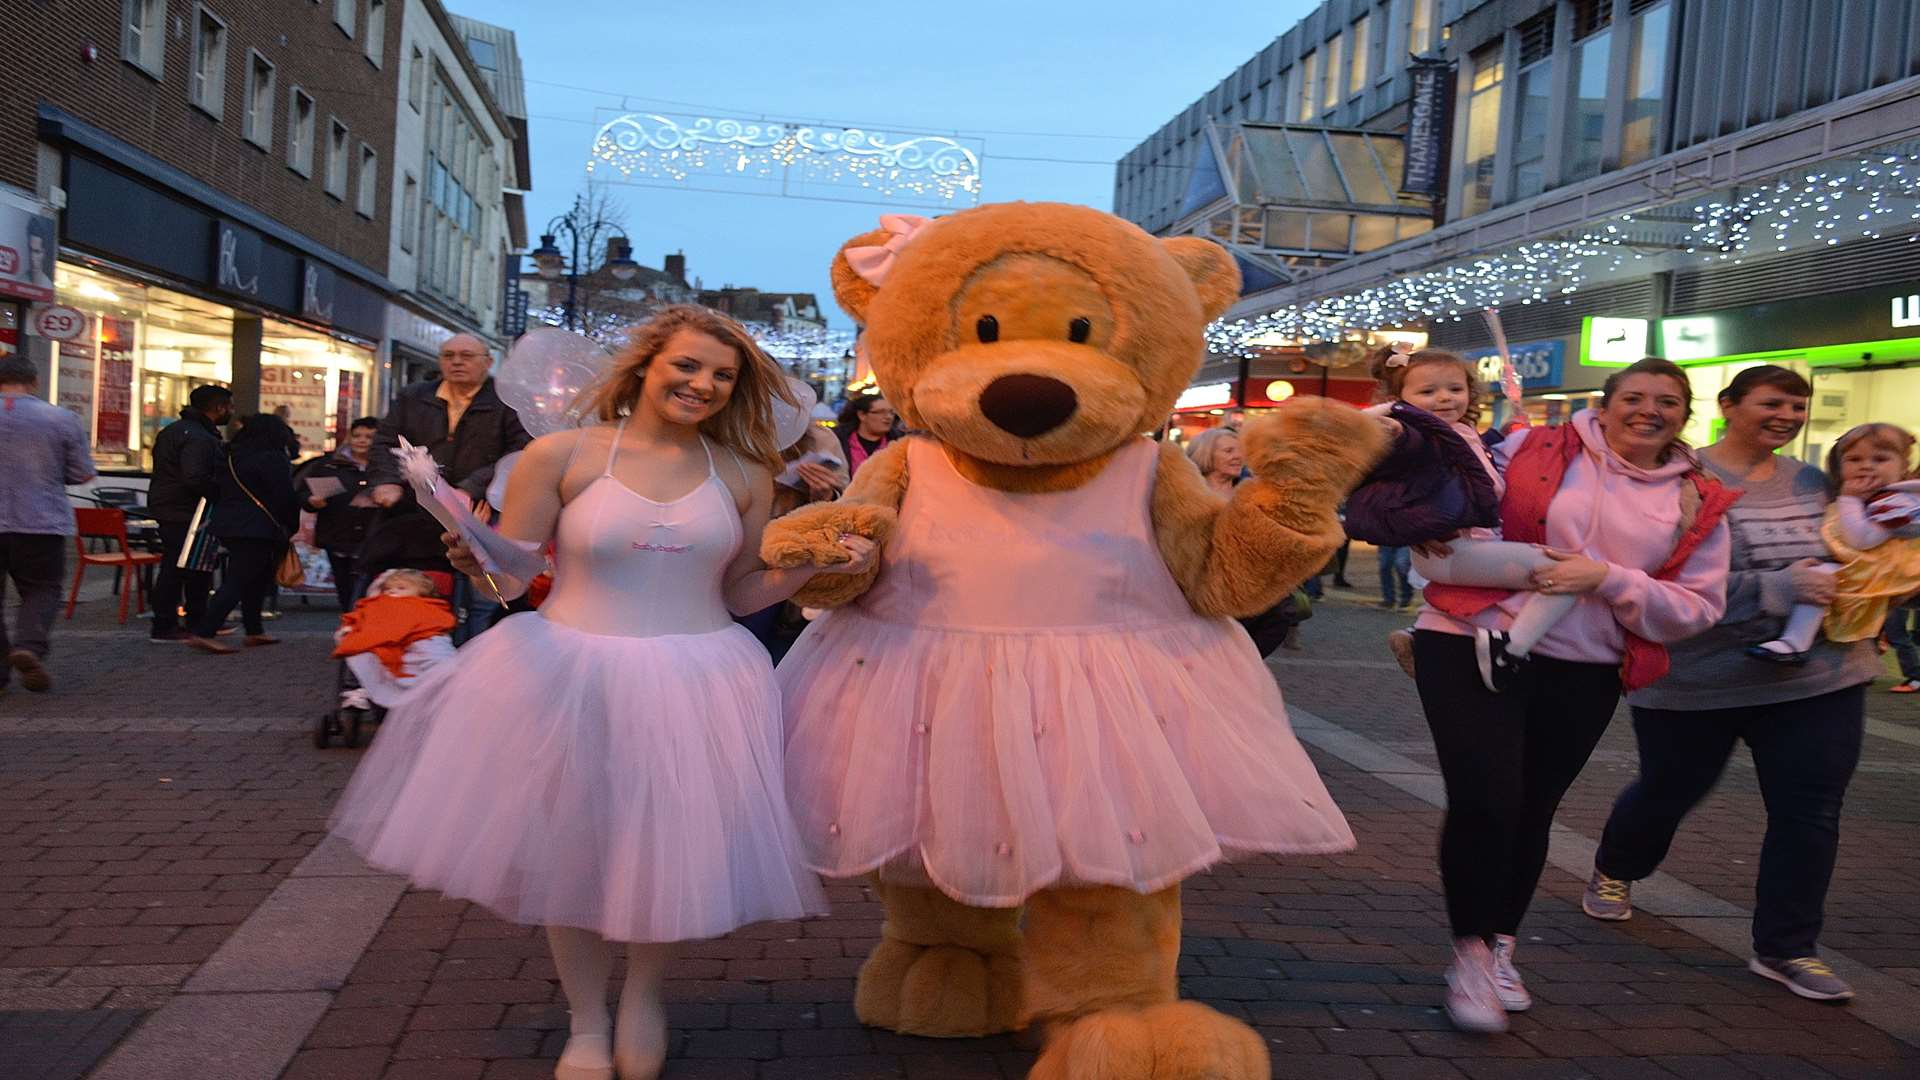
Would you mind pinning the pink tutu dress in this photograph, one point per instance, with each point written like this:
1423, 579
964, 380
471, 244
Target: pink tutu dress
1025, 699
611, 761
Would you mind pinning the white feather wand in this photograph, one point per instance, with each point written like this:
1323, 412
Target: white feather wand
497, 554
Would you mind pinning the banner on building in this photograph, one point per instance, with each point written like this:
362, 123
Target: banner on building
113, 408
1425, 168
346, 407
28, 245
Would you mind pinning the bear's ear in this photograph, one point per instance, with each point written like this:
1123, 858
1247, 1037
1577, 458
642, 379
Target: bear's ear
1215, 275
853, 291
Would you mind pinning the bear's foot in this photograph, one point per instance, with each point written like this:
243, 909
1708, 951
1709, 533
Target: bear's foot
940, 991
1178, 1040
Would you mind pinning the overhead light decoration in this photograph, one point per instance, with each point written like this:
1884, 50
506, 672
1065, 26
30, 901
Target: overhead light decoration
927, 167
799, 347
1864, 199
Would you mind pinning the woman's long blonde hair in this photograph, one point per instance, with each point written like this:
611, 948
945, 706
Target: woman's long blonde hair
744, 424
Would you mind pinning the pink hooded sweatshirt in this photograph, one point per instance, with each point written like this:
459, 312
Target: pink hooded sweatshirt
1628, 518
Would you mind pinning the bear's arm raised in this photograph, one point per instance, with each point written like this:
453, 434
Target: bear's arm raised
1240, 556
810, 535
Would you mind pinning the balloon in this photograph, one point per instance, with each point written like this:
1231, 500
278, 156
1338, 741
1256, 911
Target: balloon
544, 374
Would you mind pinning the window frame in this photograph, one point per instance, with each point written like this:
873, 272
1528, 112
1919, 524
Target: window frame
1334, 76
197, 80
149, 57
375, 38
351, 11
417, 79
340, 135
298, 162
1359, 36
366, 201
409, 212
252, 129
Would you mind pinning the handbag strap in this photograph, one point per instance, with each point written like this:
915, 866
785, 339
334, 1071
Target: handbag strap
274, 521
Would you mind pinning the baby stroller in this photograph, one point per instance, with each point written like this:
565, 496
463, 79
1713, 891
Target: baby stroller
352, 710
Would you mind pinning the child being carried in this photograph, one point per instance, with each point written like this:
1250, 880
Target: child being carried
398, 632
1438, 492
1873, 529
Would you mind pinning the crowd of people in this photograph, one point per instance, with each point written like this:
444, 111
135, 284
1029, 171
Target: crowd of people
1729, 593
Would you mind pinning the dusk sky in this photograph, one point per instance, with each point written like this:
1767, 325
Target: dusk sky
1094, 77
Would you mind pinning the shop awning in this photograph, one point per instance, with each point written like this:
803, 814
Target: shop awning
1288, 198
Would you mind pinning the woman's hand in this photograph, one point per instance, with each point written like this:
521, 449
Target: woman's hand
1812, 582
1434, 549
863, 550
315, 502
821, 481
461, 556
1571, 574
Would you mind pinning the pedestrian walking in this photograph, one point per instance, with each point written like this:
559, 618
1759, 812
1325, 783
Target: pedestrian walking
45, 451
1899, 632
610, 765
186, 455
337, 489
255, 516
1801, 722
463, 423
1396, 588
1634, 530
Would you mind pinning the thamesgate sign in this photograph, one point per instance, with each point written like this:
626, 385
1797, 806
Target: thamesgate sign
1425, 163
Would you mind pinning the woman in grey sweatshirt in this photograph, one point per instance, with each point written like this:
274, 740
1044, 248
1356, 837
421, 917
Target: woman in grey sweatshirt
1802, 723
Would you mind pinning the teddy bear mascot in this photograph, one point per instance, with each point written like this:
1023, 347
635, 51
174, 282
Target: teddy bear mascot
1036, 716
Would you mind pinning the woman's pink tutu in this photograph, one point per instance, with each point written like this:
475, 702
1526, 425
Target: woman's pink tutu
627, 785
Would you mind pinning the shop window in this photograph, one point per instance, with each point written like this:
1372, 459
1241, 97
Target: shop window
259, 121
367, 191
1332, 76
1300, 87
1482, 135
1647, 43
416, 79
336, 177
300, 132
343, 15
377, 31
143, 35
1362, 55
207, 85
409, 212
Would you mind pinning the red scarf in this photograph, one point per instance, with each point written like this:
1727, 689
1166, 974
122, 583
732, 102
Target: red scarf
1533, 479
857, 451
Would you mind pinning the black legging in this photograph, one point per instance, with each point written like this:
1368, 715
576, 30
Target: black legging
1507, 760
250, 566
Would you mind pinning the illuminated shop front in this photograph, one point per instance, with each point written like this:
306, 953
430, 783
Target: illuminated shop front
143, 348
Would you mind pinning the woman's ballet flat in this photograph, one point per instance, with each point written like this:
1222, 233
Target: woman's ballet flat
582, 1058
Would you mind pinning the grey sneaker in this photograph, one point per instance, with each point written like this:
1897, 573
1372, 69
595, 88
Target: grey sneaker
1608, 898
1808, 976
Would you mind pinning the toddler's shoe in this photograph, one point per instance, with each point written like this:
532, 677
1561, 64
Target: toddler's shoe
1400, 643
1498, 667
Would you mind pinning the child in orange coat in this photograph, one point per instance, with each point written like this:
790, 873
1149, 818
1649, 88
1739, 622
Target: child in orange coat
398, 632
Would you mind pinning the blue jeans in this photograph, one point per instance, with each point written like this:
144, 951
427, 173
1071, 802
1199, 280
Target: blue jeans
1899, 631
1804, 752
1395, 562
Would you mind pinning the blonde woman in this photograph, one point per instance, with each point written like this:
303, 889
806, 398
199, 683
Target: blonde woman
1216, 453
609, 766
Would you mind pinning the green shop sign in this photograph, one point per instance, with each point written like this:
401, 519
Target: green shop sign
1869, 326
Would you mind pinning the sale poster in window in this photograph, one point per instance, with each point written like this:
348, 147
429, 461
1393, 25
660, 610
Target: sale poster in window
75, 384
347, 408
113, 417
302, 392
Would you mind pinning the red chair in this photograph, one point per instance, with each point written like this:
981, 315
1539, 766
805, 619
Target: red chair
110, 525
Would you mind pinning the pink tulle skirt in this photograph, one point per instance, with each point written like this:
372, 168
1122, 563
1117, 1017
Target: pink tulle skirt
999, 764
630, 786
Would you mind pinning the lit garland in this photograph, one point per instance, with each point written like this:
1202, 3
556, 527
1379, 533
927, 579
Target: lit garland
803, 349
1866, 199
923, 166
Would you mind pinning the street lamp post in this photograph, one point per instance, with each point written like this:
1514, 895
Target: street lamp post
576, 224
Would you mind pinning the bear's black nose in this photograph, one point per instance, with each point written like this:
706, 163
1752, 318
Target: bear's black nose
1028, 405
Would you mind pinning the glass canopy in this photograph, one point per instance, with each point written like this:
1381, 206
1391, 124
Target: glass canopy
1288, 199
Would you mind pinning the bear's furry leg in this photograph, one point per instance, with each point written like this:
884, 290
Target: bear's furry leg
942, 969
1101, 976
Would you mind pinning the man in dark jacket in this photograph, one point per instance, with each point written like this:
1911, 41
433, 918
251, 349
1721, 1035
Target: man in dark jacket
468, 429
186, 457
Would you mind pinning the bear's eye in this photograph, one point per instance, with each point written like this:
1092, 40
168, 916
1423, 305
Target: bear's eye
987, 329
1079, 329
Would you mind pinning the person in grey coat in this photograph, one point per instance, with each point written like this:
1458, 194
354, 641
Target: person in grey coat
45, 451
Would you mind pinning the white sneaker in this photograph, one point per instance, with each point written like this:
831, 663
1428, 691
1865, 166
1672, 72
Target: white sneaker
1471, 1002
1506, 978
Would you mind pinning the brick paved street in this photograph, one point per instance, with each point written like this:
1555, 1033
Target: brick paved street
161, 810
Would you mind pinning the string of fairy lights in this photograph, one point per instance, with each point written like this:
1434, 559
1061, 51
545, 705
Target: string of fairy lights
1866, 198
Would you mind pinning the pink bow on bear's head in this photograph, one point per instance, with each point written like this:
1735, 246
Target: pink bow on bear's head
872, 262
